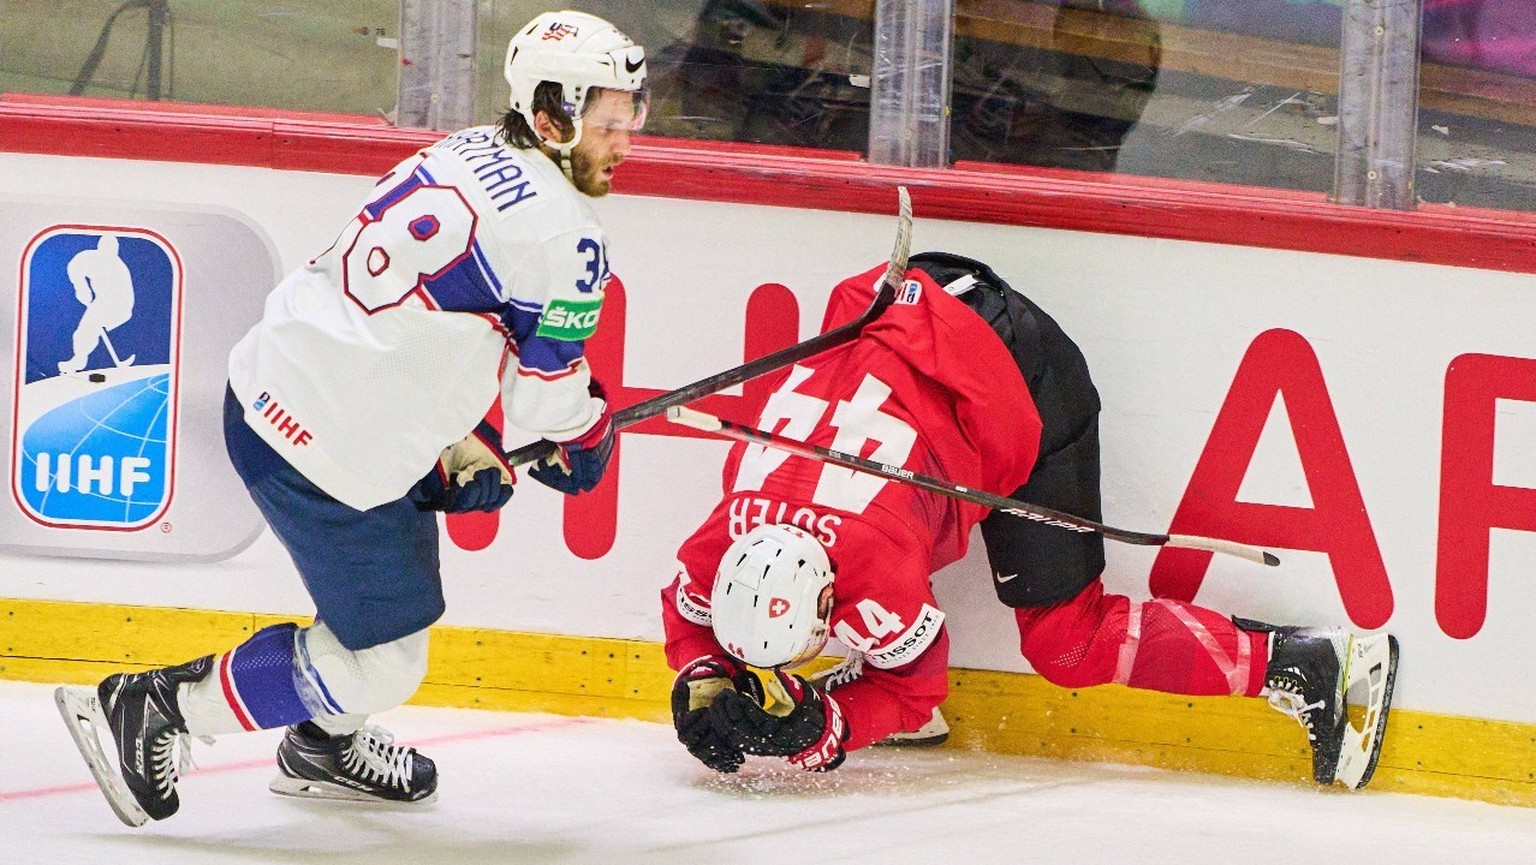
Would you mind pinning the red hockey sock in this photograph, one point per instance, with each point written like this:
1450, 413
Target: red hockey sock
1159, 645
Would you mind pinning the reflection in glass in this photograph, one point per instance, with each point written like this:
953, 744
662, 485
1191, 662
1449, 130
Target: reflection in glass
320, 55
1229, 91
1477, 115
768, 73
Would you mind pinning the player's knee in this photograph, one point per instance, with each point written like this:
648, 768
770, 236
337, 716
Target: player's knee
1057, 663
1074, 644
366, 681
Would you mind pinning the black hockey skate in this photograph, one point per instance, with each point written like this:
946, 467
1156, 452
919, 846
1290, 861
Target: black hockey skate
365, 766
1312, 675
141, 713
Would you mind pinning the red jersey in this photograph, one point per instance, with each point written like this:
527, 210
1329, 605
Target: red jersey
929, 387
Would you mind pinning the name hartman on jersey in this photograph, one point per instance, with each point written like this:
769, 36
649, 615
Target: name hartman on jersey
499, 168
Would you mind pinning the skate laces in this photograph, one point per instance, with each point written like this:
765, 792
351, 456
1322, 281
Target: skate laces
373, 755
170, 758
1292, 703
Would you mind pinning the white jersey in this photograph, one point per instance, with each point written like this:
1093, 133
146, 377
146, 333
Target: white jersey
475, 268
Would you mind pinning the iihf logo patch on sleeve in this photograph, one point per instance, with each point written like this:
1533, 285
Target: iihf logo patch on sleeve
96, 377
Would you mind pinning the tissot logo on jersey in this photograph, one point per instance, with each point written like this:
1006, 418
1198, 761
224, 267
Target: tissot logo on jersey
911, 643
698, 613
96, 377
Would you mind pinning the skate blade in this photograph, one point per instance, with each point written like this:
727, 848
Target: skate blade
1370, 675
935, 732
303, 788
82, 714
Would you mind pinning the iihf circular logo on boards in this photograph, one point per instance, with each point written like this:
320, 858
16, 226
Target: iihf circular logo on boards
94, 419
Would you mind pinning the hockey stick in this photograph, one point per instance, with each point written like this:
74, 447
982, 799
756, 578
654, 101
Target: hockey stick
726, 429
837, 336
111, 350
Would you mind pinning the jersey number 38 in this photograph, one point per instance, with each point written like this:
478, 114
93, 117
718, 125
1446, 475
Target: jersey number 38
390, 254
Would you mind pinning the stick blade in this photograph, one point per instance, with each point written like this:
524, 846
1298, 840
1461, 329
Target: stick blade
897, 270
1230, 548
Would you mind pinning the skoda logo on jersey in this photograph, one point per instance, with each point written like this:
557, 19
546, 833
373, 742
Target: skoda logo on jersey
96, 377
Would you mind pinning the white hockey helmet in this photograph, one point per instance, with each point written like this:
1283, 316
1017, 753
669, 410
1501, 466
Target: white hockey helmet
772, 597
577, 51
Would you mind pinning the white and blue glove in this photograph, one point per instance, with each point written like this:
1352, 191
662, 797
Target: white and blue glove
471, 475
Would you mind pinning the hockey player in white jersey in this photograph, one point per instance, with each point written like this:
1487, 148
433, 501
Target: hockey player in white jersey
356, 408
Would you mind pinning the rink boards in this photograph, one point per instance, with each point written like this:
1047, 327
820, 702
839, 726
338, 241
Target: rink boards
1354, 390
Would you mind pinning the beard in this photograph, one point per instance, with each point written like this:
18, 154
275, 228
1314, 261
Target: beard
587, 174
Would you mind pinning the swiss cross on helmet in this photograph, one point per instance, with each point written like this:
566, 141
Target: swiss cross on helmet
577, 51
772, 597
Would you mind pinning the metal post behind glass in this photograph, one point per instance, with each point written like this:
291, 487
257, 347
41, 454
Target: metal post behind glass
909, 99
436, 85
1378, 103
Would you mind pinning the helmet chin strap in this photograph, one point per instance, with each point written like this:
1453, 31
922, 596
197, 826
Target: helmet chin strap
564, 150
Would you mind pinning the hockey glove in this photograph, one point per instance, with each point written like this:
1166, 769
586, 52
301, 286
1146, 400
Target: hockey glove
471, 475
803, 725
696, 687
577, 465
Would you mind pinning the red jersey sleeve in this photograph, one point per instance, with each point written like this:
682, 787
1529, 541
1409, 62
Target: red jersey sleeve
685, 608
886, 613
878, 702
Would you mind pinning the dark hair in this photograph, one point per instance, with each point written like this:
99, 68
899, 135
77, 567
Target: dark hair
548, 98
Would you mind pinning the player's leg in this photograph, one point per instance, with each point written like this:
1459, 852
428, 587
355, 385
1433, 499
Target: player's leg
1161, 645
87, 334
374, 578
1076, 635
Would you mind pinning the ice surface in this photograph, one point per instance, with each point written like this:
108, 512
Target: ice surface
519, 788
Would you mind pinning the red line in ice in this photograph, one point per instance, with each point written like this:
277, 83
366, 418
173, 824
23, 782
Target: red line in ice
473, 735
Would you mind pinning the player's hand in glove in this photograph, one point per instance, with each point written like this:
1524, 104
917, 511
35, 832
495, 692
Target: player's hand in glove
802, 724
471, 475
696, 687
577, 465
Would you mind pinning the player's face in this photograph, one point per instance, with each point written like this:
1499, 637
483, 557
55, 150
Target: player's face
610, 117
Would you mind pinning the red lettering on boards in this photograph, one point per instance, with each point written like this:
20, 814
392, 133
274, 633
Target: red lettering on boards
1471, 504
1279, 362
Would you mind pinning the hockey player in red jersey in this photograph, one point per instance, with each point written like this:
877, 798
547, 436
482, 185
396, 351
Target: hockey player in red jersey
965, 379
